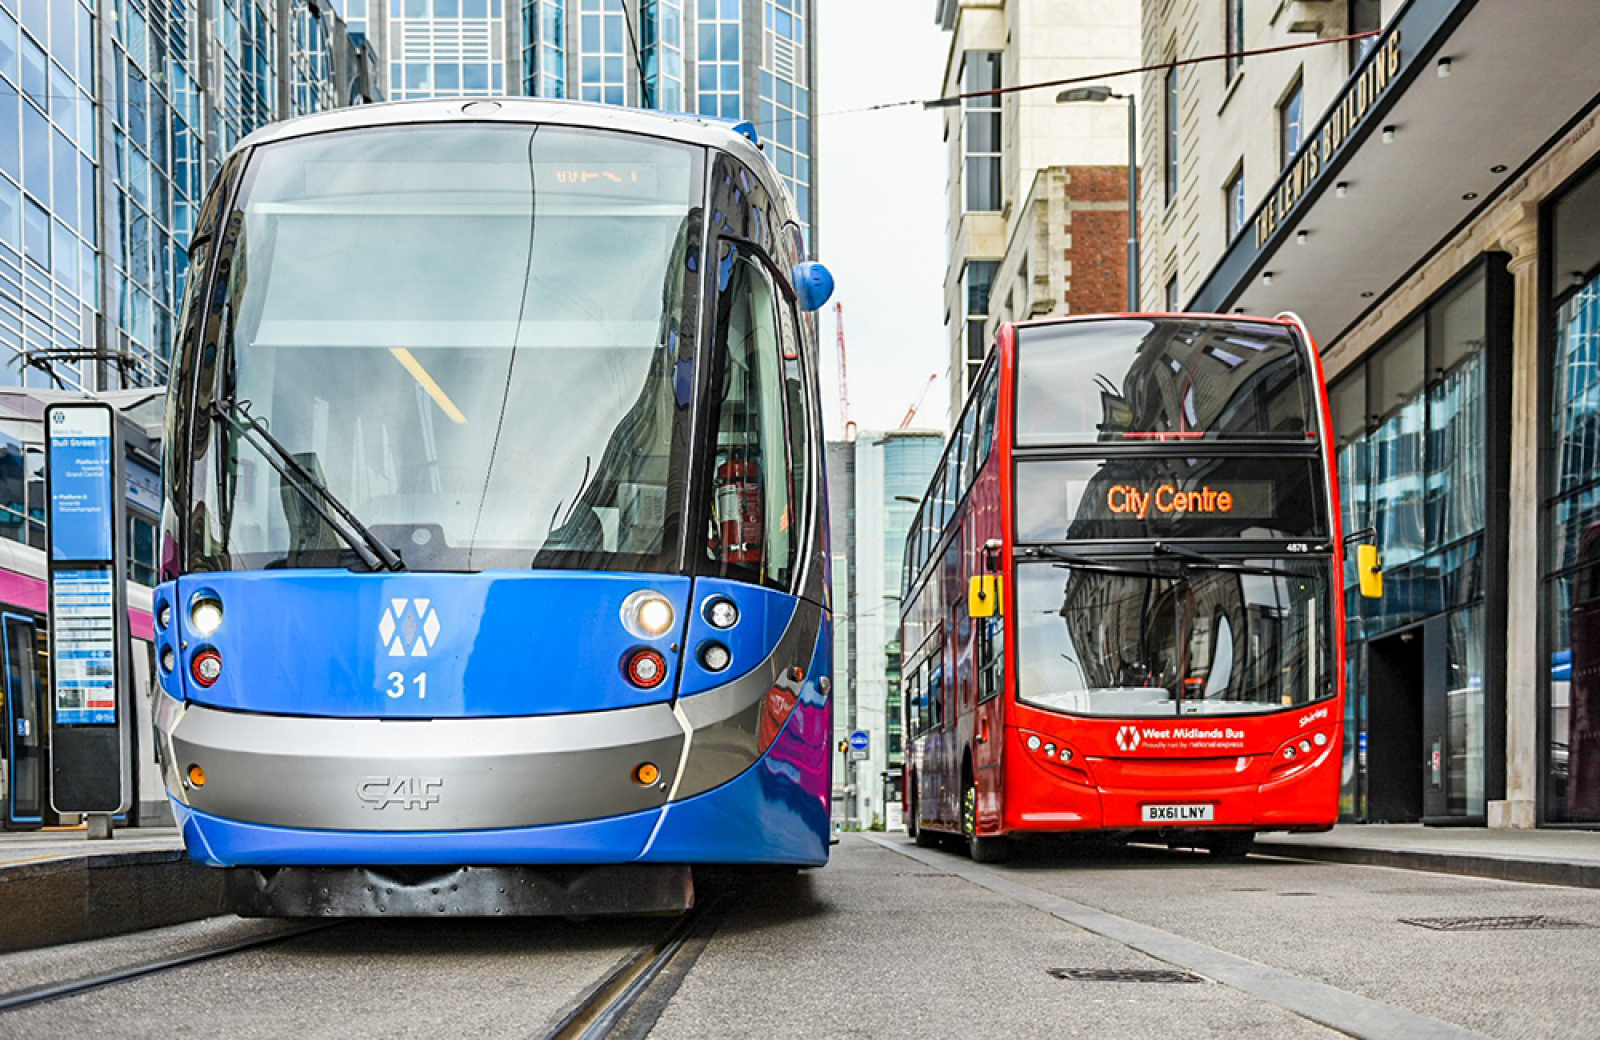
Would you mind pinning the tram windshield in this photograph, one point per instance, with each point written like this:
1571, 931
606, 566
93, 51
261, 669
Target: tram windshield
1159, 638
472, 335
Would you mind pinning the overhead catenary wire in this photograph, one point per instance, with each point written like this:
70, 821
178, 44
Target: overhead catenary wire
952, 100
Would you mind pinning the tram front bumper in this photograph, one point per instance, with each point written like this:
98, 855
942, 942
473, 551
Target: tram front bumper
374, 775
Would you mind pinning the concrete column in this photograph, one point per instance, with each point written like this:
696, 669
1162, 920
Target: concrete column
1520, 238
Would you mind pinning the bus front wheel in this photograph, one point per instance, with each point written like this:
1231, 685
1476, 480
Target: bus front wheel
981, 849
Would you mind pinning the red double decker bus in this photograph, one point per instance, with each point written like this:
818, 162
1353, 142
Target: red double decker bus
1121, 608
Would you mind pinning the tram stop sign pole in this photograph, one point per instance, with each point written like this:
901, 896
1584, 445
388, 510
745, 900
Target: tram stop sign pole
91, 765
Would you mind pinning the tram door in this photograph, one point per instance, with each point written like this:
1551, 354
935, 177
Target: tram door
25, 742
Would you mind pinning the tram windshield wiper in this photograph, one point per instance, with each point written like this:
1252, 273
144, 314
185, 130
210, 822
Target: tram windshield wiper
372, 549
1079, 561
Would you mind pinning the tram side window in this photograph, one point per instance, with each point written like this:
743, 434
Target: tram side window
752, 512
794, 384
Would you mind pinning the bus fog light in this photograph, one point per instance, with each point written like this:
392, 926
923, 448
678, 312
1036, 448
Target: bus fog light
1289, 751
1066, 754
1033, 743
206, 667
1321, 740
169, 660
722, 613
646, 614
1050, 749
715, 657
206, 615
1305, 747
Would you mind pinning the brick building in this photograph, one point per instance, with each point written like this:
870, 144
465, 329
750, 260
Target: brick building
1038, 191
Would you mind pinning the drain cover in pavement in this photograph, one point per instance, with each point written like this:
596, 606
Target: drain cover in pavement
1122, 975
1492, 924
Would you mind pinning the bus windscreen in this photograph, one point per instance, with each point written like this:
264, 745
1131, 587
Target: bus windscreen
1137, 380
1148, 640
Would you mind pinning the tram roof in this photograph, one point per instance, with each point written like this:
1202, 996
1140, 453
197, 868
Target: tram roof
710, 133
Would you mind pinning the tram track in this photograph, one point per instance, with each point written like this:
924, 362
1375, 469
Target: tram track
48, 991
625, 1004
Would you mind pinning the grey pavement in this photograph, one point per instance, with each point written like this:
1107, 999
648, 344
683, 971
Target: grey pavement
1565, 845
893, 941
23, 847
1556, 857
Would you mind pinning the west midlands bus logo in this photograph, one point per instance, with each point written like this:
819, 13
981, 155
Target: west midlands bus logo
1128, 738
409, 627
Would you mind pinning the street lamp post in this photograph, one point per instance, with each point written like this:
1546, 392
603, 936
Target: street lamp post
1076, 94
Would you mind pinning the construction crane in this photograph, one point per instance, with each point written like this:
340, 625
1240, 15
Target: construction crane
911, 413
844, 378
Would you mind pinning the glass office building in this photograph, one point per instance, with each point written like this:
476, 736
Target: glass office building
102, 173
728, 59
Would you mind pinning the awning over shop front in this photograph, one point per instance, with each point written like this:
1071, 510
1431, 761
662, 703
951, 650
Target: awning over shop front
1408, 153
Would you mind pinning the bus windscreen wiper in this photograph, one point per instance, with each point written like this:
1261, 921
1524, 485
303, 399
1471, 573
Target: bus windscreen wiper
372, 550
1220, 563
1078, 561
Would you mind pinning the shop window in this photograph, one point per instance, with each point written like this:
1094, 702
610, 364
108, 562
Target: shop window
1410, 427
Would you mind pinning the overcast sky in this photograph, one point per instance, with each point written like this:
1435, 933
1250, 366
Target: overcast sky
881, 208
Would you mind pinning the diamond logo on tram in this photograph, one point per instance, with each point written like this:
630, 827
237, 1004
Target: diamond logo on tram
409, 627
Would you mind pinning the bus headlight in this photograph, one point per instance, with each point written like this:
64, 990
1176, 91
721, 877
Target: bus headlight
647, 614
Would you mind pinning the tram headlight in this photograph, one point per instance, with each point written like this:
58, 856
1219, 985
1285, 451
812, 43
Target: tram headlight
164, 616
205, 615
169, 660
647, 614
721, 613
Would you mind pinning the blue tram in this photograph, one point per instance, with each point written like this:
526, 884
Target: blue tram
494, 530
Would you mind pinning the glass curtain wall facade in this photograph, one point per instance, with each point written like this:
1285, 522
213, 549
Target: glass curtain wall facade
724, 59
1572, 513
91, 269
1411, 427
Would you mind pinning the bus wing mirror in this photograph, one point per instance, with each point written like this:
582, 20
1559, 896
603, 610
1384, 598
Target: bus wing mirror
1369, 565
983, 596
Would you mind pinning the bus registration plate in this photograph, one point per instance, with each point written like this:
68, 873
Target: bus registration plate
1179, 813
